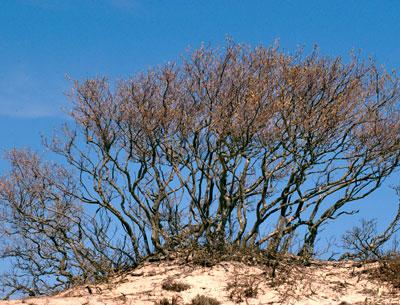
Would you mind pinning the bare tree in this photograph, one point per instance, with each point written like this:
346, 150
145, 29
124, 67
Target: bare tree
365, 243
235, 146
50, 241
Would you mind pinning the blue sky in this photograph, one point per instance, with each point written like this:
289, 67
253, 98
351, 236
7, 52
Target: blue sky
44, 42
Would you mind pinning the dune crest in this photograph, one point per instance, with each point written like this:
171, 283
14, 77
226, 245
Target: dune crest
322, 283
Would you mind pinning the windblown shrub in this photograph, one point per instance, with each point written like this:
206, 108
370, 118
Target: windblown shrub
232, 146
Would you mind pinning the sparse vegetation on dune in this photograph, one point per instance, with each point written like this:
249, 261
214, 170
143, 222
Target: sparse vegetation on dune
227, 155
166, 301
172, 285
204, 300
388, 270
230, 283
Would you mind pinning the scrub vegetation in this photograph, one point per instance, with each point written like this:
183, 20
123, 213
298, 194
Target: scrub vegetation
228, 151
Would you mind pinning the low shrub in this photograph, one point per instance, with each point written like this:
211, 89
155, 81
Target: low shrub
166, 301
210, 255
242, 288
171, 285
203, 300
389, 270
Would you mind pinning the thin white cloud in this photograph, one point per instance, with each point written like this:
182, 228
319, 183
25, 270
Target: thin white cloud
47, 4
125, 5
134, 7
21, 110
23, 96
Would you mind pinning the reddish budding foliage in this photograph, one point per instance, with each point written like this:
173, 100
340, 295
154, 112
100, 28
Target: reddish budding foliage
227, 145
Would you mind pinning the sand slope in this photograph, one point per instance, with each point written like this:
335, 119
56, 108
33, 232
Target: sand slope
322, 283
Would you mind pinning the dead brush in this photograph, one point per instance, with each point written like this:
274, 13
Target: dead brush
210, 255
203, 300
172, 285
389, 271
282, 269
166, 301
243, 287
288, 276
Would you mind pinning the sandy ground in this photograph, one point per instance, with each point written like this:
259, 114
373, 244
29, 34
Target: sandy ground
322, 283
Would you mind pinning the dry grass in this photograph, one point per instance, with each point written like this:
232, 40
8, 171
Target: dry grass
172, 285
203, 300
389, 271
243, 287
211, 255
166, 301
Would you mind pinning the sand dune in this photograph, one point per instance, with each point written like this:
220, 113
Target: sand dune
322, 283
